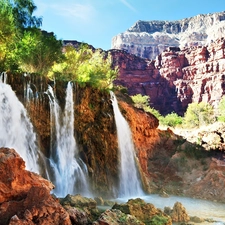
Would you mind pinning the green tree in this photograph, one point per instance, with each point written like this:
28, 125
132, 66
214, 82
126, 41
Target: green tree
37, 51
86, 67
7, 32
142, 102
198, 114
15, 16
67, 69
171, 120
221, 110
23, 13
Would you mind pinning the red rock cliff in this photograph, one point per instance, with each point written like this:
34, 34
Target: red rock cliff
177, 77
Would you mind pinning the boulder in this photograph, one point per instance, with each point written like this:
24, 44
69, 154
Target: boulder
80, 208
145, 212
116, 217
25, 196
178, 213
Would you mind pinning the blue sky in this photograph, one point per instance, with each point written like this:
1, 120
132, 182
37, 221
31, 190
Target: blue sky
97, 21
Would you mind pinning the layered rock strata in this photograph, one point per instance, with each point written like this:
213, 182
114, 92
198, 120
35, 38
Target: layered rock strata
148, 39
177, 77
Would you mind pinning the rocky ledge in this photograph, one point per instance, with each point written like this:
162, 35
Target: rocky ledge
26, 200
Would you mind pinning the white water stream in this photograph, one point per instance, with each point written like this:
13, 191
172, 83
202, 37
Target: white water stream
70, 173
16, 130
130, 185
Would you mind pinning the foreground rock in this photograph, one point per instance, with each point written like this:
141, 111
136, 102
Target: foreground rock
178, 213
145, 212
25, 196
82, 210
116, 217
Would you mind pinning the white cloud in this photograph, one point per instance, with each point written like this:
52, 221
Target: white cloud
128, 5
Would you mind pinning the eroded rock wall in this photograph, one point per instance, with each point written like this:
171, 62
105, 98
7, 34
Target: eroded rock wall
177, 77
147, 39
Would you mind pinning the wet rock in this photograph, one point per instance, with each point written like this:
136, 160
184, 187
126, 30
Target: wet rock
99, 200
80, 208
116, 217
145, 212
77, 216
78, 200
196, 219
178, 213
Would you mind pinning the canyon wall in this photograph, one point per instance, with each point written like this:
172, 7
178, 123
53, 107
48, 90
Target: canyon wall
177, 77
147, 39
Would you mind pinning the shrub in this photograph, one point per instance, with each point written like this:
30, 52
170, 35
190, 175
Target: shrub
221, 110
142, 102
171, 120
37, 51
158, 220
85, 67
198, 114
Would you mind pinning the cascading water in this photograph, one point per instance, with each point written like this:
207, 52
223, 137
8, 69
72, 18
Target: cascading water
70, 172
130, 185
16, 130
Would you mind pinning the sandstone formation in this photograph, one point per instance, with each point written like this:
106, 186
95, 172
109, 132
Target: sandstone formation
178, 213
177, 77
24, 196
147, 39
82, 210
116, 217
145, 212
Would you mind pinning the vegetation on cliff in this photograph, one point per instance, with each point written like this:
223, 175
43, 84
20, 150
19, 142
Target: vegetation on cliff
16, 16
84, 65
24, 47
197, 114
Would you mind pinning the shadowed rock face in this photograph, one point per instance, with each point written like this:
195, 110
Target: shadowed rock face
177, 77
148, 39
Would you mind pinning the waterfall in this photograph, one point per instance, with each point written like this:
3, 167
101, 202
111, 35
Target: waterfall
16, 130
130, 185
70, 172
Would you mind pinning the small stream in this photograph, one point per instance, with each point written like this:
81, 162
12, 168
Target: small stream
194, 207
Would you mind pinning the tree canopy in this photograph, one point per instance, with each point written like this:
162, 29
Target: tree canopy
22, 11
85, 66
37, 51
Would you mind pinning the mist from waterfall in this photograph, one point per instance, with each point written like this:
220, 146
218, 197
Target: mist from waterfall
70, 172
130, 184
15, 127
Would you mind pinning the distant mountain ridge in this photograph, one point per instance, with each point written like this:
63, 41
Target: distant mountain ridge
148, 39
